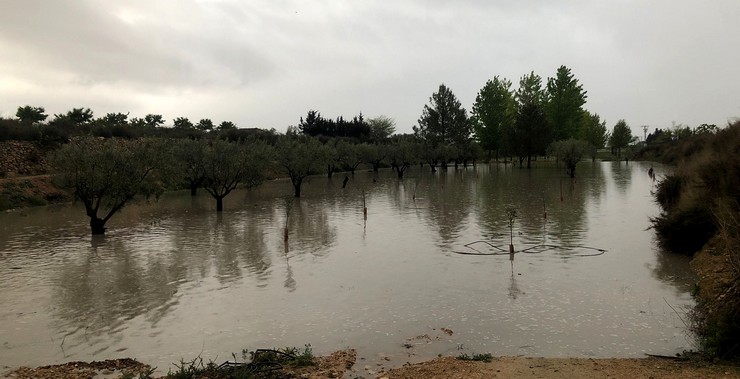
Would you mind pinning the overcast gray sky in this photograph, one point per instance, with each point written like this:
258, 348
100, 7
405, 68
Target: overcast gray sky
265, 63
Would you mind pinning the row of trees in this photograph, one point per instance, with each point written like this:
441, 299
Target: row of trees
106, 174
30, 115
521, 123
30, 124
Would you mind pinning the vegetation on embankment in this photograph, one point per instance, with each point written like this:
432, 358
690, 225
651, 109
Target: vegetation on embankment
29, 192
701, 212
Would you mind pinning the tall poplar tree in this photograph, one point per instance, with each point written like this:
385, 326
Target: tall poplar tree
531, 133
494, 112
593, 131
565, 100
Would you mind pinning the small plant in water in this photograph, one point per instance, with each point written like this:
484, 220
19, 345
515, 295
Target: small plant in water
487, 357
511, 213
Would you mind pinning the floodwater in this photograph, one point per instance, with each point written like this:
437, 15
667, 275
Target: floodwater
172, 279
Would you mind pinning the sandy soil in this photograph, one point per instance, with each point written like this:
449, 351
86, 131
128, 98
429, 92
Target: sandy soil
570, 368
339, 364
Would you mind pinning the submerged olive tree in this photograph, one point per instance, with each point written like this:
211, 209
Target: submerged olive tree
228, 164
105, 175
300, 158
570, 152
190, 157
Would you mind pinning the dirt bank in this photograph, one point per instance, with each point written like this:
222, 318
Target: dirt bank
566, 368
339, 364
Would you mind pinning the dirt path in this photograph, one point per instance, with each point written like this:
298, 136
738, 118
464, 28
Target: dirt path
563, 368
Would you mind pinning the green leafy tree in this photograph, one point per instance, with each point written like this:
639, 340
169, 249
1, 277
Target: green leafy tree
443, 121
570, 152
594, 132
154, 120
190, 156
469, 153
402, 154
333, 157
530, 90
228, 164
105, 175
226, 125
372, 154
182, 123
349, 154
494, 112
28, 115
77, 116
381, 128
115, 119
621, 136
531, 132
205, 125
300, 158
565, 100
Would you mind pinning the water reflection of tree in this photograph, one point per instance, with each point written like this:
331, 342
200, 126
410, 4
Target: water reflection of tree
139, 273
111, 284
309, 228
449, 200
622, 175
534, 192
238, 242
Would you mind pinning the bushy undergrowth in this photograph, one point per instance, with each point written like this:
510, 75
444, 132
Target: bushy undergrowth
690, 198
700, 202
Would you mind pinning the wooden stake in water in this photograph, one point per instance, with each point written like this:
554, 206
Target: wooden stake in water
288, 207
544, 209
364, 205
511, 214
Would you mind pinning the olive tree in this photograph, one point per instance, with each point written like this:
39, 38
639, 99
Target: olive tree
105, 175
228, 164
300, 158
401, 155
190, 158
570, 152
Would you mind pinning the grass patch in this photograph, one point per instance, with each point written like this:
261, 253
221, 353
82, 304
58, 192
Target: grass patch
258, 364
487, 357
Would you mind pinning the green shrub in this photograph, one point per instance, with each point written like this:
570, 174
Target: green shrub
685, 231
668, 191
487, 357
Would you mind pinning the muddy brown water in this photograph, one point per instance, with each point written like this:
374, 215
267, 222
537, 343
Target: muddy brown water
172, 279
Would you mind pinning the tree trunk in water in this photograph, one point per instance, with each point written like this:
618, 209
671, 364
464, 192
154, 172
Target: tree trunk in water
329, 171
97, 226
219, 204
399, 171
529, 161
193, 189
297, 188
